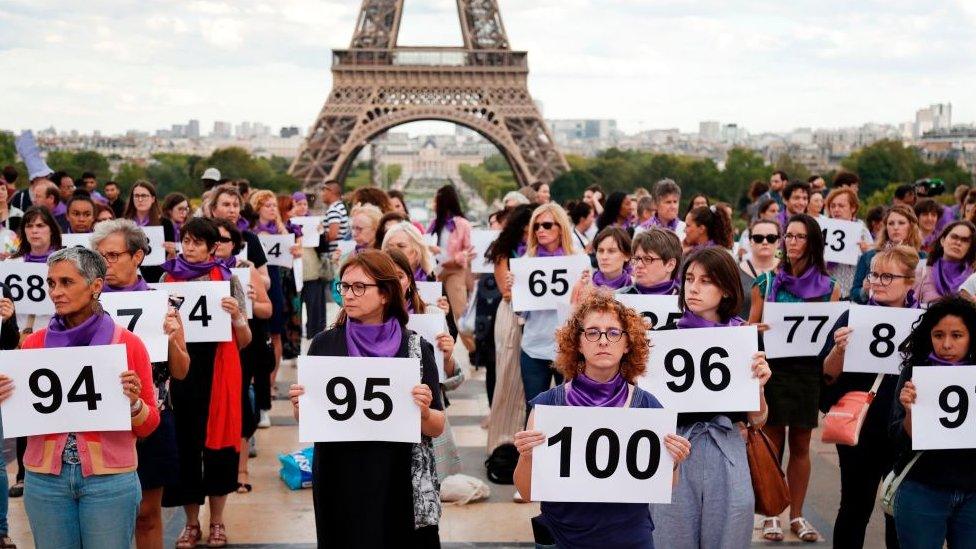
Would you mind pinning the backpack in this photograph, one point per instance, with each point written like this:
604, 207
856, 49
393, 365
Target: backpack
500, 465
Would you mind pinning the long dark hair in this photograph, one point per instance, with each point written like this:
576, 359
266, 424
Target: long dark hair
511, 236
612, 210
412, 295
447, 204
30, 215
916, 349
723, 271
938, 250
378, 266
814, 252
717, 224
171, 201
130, 208
691, 202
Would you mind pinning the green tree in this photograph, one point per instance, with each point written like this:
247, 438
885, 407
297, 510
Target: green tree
76, 163
792, 167
129, 173
881, 163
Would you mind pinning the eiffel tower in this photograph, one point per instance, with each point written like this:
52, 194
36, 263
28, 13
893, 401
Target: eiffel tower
377, 85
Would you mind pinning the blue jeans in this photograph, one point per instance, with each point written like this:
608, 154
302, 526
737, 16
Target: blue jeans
537, 376
4, 528
926, 517
72, 511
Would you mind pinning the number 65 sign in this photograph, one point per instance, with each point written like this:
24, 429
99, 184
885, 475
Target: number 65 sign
541, 282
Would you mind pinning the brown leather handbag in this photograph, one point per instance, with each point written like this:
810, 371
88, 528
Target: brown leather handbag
768, 481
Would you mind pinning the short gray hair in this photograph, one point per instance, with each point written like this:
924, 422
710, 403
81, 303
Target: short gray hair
135, 238
665, 187
518, 197
90, 264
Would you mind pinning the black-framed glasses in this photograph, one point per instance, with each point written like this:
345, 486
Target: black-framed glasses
113, 257
358, 288
224, 239
884, 279
791, 236
141, 196
593, 335
768, 238
645, 260
547, 225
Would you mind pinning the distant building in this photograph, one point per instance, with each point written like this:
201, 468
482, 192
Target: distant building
709, 130
289, 131
193, 129
222, 129
933, 118
570, 130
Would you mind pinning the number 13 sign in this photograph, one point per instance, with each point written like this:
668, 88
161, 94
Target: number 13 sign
540, 282
358, 399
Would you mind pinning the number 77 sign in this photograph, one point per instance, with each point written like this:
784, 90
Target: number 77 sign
799, 329
541, 282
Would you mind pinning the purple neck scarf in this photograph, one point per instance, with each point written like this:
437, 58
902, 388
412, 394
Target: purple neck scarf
141, 221
229, 262
99, 329
584, 391
60, 209
599, 279
294, 229
182, 270
936, 361
910, 301
40, 258
419, 275
450, 225
268, 228
691, 320
810, 285
139, 286
381, 340
655, 221
668, 287
520, 250
176, 231
242, 224
949, 275
542, 252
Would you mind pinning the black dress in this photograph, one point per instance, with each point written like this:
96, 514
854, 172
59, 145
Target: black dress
363, 491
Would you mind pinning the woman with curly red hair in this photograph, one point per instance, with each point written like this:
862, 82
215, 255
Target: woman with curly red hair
601, 351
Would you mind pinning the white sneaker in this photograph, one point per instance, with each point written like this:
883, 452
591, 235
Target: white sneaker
265, 420
517, 497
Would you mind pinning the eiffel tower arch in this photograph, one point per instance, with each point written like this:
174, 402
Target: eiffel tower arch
377, 85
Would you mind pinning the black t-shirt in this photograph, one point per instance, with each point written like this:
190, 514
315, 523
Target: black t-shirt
255, 253
9, 333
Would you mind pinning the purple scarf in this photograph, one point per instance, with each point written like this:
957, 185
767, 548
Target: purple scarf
949, 275
182, 270
691, 320
599, 279
294, 229
668, 287
142, 222
382, 340
229, 262
268, 228
520, 250
41, 258
655, 221
450, 225
419, 275
584, 391
99, 329
139, 286
176, 231
810, 285
542, 252
911, 302
242, 224
60, 209
936, 361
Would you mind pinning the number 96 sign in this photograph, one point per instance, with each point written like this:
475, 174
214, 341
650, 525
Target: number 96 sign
358, 399
541, 282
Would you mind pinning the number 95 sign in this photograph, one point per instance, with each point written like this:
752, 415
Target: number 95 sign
541, 282
358, 399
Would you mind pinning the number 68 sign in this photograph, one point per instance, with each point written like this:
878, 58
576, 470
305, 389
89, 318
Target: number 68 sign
540, 282
610, 455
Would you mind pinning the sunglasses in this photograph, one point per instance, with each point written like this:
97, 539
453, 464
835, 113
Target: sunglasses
769, 238
547, 225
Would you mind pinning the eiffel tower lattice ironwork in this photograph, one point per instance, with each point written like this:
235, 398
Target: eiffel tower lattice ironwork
378, 85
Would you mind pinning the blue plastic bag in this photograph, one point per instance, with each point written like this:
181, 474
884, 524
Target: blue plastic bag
296, 468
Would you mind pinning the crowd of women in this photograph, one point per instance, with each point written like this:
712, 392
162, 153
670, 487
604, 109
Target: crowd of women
194, 415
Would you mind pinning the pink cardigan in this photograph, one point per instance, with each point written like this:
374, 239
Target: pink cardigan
458, 243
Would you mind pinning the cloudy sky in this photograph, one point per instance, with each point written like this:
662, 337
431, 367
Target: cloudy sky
145, 64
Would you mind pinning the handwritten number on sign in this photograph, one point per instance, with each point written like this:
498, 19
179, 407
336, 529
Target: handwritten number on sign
882, 345
35, 288
538, 287
961, 408
564, 438
136, 314
798, 320
688, 370
348, 398
85, 380
199, 312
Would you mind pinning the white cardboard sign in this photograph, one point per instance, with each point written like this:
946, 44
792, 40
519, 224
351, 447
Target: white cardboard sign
799, 329
358, 399
841, 240
877, 333
70, 240
142, 313
244, 275
942, 416
661, 310
312, 228
481, 239
609, 455
65, 390
428, 326
204, 320
157, 251
540, 282
27, 283
430, 292
278, 248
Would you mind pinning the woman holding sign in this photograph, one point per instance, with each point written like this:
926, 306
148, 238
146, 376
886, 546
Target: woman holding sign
712, 504
936, 501
864, 465
82, 488
207, 403
794, 391
364, 492
612, 246
899, 226
843, 204
655, 260
949, 264
602, 351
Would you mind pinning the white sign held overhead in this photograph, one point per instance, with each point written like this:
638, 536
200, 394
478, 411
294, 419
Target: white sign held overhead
358, 399
65, 390
481, 239
877, 332
660, 310
540, 282
703, 369
142, 313
278, 248
428, 326
607, 455
799, 329
942, 416
27, 283
204, 320
841, 240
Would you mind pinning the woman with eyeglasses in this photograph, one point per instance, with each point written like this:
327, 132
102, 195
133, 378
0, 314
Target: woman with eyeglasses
843, 204
712, 504
176, 208
612, 247
899, 226
143, 208
949, 264
367, 494
794, 391
657, 254
602, 350
862, 467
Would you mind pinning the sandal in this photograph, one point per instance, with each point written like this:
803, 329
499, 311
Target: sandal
218, 535
773, 532
190, 537
804, 530
7, 543
17, 490
242, 485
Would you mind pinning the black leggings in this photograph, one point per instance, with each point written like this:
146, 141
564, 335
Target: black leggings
21, 449
862, 469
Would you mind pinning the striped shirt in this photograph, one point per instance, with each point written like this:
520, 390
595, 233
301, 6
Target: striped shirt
337, 215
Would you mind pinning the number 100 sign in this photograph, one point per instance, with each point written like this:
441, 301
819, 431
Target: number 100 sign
609, 455
358, 399
540, 282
